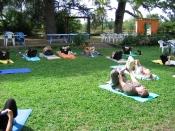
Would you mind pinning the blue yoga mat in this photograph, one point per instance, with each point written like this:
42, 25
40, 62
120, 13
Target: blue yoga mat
21, 119
88, 55
13, 71
137, 98
32, 58
130, 54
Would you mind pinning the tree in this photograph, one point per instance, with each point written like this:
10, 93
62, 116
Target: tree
165, 5
100, 12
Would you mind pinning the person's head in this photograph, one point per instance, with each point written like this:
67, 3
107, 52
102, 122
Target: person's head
142, 91
148, 73
48, 48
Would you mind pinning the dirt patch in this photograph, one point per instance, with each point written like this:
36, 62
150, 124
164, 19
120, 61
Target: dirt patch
43, 42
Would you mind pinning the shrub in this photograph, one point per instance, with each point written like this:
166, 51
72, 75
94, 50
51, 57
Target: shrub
80, 39
141, 40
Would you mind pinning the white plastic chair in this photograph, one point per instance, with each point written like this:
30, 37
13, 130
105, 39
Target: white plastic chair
108, 37
172, 45
103, 35
161, 42
9, 37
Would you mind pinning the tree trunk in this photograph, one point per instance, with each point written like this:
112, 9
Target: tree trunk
119, 15
49, 17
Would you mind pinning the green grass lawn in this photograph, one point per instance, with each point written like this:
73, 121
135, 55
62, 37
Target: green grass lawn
64, 94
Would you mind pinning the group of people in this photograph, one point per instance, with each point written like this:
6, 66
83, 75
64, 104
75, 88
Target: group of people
133, 87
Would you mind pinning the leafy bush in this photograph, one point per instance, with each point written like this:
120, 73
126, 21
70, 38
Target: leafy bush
141, 40
80, 39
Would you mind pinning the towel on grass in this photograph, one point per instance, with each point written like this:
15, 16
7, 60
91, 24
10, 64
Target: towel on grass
138, 76
121, 61
32, 58
21, 118
137, 98
50, 57
65, 56
157, 61
6, 61
13, 71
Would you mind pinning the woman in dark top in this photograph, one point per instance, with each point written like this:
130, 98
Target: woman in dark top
6, 120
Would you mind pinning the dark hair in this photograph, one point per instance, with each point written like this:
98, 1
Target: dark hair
144, 95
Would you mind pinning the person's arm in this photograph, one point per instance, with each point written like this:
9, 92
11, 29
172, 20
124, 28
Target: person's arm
121, 82
10, 120
132, 76
169, 58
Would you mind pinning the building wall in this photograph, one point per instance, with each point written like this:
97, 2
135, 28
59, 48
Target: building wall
140, 24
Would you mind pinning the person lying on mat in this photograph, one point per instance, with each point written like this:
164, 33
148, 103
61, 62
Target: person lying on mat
47, 51
166, 59
31, 53
65, 50
141, 70
5, 56
6, 119
126, 49
131, 88
89, 51
116, 55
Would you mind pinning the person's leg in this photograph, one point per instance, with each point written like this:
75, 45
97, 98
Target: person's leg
91, 52
130, 63
11, 104
121, 82
3, 122
114, 78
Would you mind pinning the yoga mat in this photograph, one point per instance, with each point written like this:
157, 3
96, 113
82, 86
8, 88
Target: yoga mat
130, 54
88, 55
21, 118
5, 61
137, 98
118, 61
157, 61
65, 56
32, 58
13, 71
51, 57
141, 77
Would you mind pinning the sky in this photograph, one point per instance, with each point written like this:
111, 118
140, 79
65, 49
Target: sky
111, 14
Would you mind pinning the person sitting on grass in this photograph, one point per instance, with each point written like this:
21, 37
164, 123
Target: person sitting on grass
6, 120
126, 49
5, 56
65, 50
90, 50
166, 59
47, 51
116, 55
31, 53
